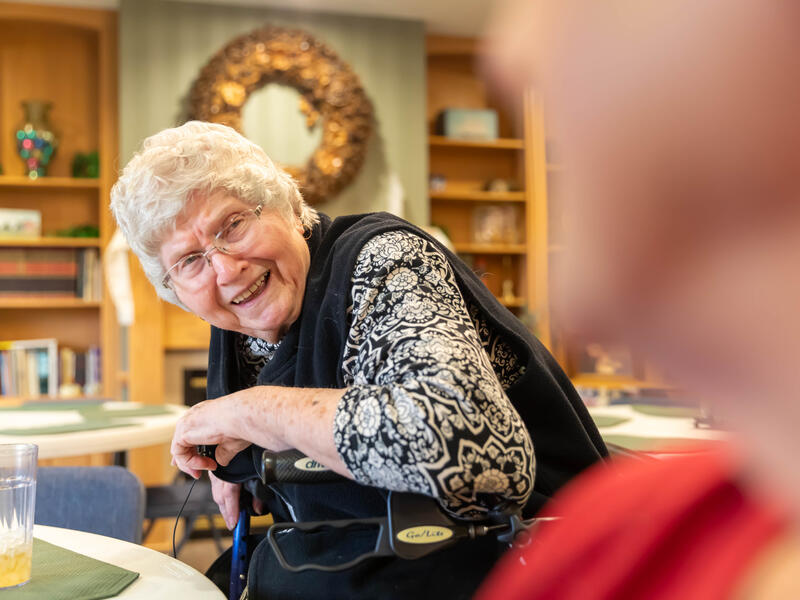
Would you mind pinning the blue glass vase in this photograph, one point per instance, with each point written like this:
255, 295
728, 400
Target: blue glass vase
36, 140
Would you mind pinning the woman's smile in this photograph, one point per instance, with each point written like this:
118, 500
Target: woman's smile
252, 292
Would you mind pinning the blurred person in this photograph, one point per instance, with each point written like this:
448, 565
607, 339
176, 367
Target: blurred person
360, 341
679, 127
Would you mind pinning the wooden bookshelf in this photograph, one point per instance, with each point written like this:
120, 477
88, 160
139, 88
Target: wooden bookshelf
66, 56
465, 167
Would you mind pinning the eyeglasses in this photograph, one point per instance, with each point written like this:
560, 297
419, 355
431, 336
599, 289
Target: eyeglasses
236, 236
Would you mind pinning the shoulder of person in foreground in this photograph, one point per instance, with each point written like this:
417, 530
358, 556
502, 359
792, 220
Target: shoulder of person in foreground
686, 526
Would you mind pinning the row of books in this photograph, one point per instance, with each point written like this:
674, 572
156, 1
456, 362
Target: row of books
34, 368
51, 272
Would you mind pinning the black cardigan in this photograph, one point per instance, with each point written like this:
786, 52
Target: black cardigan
565, 439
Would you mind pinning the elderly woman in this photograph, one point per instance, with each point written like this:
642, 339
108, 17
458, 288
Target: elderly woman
361, 342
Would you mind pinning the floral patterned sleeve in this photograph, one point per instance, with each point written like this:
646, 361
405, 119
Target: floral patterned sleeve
425, 411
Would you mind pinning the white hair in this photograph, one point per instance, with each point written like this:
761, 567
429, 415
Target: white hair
194, 160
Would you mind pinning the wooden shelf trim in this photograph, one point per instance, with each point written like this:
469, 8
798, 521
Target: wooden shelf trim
50, 242
491, 248
38, 302
477, 196
597, 380
20, 181
512, 302
496, 144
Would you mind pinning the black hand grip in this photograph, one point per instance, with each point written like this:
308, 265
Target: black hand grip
292, 466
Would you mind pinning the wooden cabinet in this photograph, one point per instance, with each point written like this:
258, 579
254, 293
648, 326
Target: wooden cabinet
481, 192
523, 259
66, 57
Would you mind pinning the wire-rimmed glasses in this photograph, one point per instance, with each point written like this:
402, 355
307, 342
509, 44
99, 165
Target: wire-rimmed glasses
235, 237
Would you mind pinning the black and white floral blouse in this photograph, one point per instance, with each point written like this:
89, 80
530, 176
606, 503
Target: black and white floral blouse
425, 409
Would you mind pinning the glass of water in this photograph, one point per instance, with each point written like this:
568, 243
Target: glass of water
17, 496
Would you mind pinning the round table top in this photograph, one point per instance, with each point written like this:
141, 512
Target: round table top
638, 430
144, 431
160, 576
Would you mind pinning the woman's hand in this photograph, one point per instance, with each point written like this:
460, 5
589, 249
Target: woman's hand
226, 495
275, 418
206, 423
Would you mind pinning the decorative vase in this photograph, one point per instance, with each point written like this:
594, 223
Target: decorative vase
36, 140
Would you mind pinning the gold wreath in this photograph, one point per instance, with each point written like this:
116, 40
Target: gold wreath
329, 90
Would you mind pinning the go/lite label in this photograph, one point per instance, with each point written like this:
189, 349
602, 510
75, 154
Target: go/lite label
424, 534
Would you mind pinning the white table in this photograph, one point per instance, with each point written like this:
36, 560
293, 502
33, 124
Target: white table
160, 576
640, 425
146, 431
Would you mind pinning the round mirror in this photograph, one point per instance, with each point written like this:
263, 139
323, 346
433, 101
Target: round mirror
272, 119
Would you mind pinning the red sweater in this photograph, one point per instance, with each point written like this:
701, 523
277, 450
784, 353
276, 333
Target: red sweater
680, 528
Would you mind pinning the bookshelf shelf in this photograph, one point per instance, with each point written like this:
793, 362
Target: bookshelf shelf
491, 248
489, 229
498, 144
66, 56
512, 302
615, 382
50, 242
20, 181
477, 196
32, 303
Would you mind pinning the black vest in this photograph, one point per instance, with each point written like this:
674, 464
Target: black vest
565, 439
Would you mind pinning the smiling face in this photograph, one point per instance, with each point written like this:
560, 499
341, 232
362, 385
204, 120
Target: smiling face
258, 292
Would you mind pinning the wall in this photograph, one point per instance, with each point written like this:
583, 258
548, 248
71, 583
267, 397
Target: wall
163, 46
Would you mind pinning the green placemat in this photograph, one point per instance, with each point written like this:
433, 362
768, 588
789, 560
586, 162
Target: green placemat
651, 444
608, 421
69, 428
685, 412
91, 410
60, 574
93, 413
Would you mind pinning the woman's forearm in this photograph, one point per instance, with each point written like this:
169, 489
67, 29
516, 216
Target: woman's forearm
280, 418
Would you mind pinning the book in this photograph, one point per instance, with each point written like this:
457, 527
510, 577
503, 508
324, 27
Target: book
53, 272
29, 368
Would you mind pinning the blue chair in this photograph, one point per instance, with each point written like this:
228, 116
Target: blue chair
104, 500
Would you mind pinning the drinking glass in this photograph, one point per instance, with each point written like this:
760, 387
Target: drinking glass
17, 497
